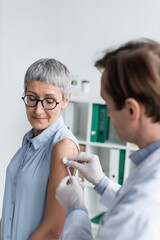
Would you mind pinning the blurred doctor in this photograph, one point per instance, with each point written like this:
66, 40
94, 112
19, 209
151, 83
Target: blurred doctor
130, 86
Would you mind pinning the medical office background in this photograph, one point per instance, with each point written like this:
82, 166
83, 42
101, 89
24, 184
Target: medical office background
74, 32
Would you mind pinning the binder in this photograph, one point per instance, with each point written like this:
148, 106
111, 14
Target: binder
114, 164
97, 218
94, 125
103, 124
121, 166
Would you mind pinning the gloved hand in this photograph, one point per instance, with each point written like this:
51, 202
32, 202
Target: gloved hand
88, 165
70, 192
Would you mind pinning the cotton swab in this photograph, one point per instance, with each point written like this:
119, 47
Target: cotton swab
64, 160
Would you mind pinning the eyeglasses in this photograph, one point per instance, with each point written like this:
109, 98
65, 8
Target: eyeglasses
47, 103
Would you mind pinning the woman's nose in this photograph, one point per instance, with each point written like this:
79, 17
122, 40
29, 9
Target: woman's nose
39, 108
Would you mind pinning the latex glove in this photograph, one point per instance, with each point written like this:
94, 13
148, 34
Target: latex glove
88, 164
70, 192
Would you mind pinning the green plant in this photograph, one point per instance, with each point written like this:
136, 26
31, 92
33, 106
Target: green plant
85, 81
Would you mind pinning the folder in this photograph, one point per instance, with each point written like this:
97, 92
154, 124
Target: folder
114, 164
121, 166
94, 125
97, 218
103, 124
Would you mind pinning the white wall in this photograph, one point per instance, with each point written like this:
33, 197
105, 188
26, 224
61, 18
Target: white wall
72, 31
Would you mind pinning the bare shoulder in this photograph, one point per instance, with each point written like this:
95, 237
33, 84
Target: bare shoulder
58, 171
64, 148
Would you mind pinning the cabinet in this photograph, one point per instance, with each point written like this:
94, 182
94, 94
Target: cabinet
78, 117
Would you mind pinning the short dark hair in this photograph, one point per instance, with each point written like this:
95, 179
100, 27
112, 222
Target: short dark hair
133, 70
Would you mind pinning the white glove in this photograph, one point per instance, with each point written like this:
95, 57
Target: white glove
70, 192
88, 165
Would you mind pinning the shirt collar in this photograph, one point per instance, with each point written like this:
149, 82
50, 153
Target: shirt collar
141, 154
43, 137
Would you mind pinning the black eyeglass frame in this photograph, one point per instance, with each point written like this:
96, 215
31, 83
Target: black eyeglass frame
39, 100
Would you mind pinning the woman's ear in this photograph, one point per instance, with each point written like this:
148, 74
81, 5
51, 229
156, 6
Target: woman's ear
66, 101
133, 108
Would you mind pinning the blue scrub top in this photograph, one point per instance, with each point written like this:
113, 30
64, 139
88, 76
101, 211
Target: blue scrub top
26, 182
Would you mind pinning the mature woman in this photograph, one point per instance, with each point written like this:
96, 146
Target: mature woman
30, 210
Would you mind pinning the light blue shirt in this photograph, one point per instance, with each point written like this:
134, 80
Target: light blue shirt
26, 182
143, 153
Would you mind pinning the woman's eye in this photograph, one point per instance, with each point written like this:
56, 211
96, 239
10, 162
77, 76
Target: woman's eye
50, 101
31, 98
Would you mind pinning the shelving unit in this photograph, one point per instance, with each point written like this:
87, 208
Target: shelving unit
83, 109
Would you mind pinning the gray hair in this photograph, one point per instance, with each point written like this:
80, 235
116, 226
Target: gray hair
51, 71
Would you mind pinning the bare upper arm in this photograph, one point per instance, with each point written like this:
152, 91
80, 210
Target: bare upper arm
55, 213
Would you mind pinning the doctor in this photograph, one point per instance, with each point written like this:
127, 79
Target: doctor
130, 86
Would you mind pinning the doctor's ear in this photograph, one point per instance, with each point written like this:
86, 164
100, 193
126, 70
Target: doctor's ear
133, 107
66, 101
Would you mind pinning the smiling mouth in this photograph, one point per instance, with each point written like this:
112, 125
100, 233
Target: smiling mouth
39, 119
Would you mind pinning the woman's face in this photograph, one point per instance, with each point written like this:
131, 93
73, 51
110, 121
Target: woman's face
39, 117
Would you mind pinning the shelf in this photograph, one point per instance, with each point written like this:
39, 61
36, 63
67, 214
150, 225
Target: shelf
132, 147
108, 145
82, 140
87, 99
